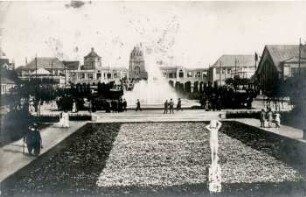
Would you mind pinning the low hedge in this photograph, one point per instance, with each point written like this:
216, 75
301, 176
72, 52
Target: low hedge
243, 114
55, 117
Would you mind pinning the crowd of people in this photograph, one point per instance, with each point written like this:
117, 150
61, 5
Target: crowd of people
169, 106
267, 118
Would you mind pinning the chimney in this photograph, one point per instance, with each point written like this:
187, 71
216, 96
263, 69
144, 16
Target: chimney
92, 49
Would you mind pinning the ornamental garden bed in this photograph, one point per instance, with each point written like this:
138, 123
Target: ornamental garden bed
158, 159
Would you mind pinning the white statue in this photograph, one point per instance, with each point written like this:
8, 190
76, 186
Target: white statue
214, 174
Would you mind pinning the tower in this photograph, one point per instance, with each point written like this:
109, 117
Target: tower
137, 69
92, 61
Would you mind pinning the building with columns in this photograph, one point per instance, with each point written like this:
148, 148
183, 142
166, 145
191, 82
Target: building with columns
191, 80
93, 71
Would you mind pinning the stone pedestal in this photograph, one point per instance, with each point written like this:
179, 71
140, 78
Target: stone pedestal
214, 178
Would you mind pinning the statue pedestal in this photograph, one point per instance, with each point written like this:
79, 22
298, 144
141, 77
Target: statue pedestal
214, 178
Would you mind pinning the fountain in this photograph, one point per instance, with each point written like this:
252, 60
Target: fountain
152, 92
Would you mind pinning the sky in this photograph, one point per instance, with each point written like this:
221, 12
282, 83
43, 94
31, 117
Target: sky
190, 34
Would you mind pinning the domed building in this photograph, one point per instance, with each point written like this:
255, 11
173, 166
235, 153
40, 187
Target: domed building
137, 69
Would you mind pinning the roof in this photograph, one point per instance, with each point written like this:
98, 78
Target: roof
5, 80
229, 61
72, 65
280, 53
92, 54
295, 60
48, 63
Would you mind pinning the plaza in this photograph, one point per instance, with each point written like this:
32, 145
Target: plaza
152, 99
148, 153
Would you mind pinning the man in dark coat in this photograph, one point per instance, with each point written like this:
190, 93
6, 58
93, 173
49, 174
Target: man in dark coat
124, 103
138, 105
33, 140
171, 105
166, 107
179, 105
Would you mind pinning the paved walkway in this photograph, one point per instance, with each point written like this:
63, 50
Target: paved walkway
12, 157
286, 131
157, 116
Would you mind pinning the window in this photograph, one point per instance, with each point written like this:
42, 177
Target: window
82, 75
115, 75
90, 76
189, 74
172, 75
228, 71
137, 69
98, 75
294, 71
109, 75
181, 74
198, 74
218, 70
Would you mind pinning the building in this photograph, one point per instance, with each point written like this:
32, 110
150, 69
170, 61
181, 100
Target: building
230, 66
279, 62
5, 62
50, 68
7, 85
137, 69
93, 72
92, 61
191, 79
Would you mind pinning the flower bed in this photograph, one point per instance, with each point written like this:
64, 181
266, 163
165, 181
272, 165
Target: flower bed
154, 158
178, 153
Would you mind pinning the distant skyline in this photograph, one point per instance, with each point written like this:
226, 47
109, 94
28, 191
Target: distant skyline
190, 34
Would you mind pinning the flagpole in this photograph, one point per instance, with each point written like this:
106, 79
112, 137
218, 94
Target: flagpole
300, 44
220, 71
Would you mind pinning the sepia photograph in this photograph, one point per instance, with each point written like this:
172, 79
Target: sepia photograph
152, 98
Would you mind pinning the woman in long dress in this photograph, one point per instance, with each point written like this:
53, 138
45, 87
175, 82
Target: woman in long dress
64, 120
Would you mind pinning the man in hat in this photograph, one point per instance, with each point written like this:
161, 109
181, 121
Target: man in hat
33, 140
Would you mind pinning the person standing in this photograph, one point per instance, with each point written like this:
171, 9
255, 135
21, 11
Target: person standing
179, 104
124, 103
120, 105
138, 105
166, 107
171, 104
33, 140
270, 117
262, 118
277, 120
